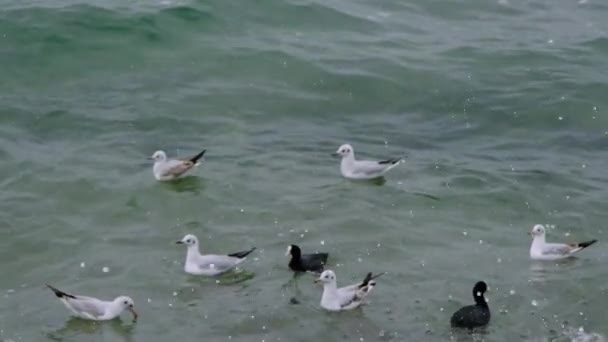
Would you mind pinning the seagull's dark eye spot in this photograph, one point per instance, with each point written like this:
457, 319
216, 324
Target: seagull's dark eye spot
126, 303
189, 241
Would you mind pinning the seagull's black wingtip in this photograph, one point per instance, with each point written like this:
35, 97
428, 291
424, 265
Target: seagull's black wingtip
197, 157
242, 254
587, 243
59, 293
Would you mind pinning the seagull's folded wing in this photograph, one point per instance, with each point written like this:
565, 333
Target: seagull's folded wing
369, 167
87, 306
176, 167
217, 262
557, 249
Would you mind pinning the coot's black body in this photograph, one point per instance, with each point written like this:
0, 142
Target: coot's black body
299, 262
473, 316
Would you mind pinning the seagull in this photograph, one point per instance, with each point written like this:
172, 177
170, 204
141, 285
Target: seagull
344, 298
362, 169
305, 262
210, 264
473, 316
167, 169
541, 250
95, 309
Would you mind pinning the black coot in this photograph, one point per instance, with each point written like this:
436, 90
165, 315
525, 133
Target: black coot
306, 262
473, 316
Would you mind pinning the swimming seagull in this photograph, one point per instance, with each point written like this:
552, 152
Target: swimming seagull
299, 262
362, 169
344, 298
210, 264
473, 316
541, 250
93, 308
167, 169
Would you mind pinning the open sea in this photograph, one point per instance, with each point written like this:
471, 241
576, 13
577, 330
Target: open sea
501, 107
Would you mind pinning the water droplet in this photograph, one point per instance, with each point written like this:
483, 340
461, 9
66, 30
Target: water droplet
322, 242
149, 300
499, 260
480, 242
512, 292
105, 269
550, 41
534, 302
170, 305
584, 166
359, 260
302, 236
560, 118
441, 309
174, 294
252, 317
465, 233
82, 264
242, 210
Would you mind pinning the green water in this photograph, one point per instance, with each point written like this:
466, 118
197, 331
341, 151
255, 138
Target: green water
501, 108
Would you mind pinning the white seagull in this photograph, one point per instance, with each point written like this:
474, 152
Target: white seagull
95, 309
541, 250
167, 169
362, 169
344, 298
210, 264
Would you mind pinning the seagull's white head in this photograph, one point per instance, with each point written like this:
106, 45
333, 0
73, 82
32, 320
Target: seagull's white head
538, 230
189, 240
345, 151
159, 156
126, 303
327, 277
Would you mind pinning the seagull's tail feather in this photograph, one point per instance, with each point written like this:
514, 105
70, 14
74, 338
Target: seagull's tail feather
242, 254
586, 243
59, 293
197, 157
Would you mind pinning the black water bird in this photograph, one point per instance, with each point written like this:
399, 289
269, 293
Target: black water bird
314, 262
473, 316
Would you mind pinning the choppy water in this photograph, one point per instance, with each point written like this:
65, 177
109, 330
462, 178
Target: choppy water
501, 107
